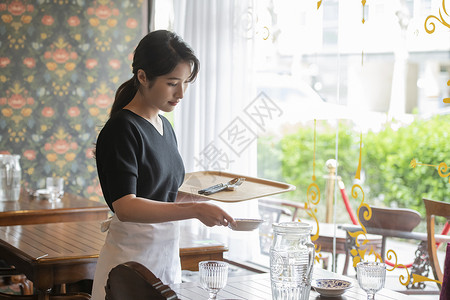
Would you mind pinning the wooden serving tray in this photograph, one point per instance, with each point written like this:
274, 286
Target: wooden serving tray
251, 188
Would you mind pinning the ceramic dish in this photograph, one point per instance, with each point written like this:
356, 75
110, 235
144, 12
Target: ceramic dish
43, 194
331, 287
246, 224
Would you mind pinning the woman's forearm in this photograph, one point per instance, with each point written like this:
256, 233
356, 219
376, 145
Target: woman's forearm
140, 210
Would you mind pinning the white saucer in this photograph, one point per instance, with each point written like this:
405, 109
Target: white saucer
331, 287
246, 224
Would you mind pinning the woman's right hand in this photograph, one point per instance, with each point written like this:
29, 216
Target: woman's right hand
212, 215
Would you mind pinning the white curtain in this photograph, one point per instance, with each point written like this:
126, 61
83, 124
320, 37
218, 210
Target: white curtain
213, 108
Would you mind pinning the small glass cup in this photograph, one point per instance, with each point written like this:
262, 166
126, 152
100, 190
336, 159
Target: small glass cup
371, 277
213, 276
55, 187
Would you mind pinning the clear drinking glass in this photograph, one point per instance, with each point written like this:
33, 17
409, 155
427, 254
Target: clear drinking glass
371, 277
213, 276
55, 187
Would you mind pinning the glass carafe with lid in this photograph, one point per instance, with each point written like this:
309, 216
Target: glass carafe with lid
10, 177
291, 261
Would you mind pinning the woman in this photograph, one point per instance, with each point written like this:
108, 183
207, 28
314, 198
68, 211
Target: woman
140, 169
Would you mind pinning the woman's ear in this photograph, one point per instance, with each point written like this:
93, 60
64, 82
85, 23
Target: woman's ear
142, 78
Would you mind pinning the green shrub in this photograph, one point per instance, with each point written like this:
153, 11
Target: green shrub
293, 155
386, 159
298, 155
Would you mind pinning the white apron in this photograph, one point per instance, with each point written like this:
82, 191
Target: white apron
156, 246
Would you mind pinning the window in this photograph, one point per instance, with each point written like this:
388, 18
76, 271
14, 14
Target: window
365, 107
375, 89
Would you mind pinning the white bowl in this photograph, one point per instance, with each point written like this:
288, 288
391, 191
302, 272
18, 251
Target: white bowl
246, 224
331, 287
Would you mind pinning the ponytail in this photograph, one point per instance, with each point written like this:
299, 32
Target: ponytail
124, 95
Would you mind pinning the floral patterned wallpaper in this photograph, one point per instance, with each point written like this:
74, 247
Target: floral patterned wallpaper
60, 64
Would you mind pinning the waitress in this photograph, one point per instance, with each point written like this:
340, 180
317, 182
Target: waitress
139, 166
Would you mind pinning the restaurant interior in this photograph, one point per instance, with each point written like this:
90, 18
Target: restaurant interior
333, 112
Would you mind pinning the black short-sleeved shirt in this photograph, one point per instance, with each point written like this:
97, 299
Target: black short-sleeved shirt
134, 158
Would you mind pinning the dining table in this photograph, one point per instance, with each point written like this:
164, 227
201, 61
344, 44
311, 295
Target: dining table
32, 210
53, 254
257, 287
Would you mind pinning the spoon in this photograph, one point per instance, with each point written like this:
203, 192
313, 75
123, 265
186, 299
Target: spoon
231, 185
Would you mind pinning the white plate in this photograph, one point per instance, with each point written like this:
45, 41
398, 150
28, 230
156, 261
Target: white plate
246, 224
331, 287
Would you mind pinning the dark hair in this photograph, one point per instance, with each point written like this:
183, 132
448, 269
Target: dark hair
157, 54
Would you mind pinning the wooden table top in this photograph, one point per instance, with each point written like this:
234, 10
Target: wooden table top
254, 287
30, 210
57, 253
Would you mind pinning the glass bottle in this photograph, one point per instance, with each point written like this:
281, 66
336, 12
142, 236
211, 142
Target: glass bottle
10, 177
291, 261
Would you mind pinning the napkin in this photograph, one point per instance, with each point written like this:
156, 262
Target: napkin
445, 290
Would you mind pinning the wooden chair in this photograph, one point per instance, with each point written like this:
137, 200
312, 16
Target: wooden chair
9, 275
403, 219
270, 210
131, 280
68, 296
391, 219
435, 208
20, 280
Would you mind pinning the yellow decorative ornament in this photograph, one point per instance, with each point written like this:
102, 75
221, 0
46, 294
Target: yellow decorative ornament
440, 19
442, 168
363, 11
313, 199
447, 100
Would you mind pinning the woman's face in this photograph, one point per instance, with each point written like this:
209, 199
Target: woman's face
166, 91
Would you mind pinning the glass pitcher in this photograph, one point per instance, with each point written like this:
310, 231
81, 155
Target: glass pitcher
10, 177
291, 261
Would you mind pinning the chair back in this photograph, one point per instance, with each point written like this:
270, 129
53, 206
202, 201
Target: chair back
131, 280
402, 219
270, 211
435, 208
